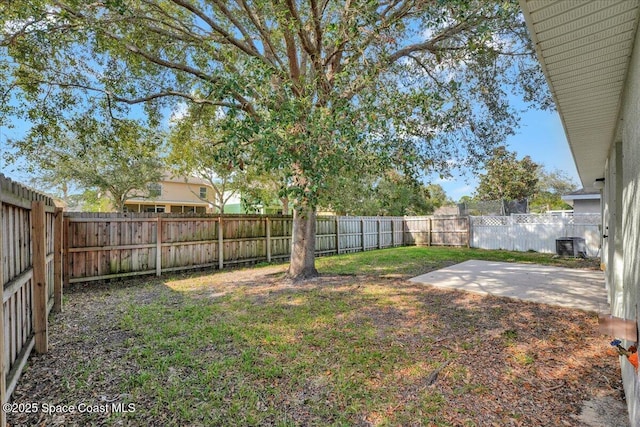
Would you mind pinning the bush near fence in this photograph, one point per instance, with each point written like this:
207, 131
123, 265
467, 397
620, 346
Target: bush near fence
106, 246
31, 272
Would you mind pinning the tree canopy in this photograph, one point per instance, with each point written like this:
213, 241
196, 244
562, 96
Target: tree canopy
311, 88
392, 194
116, 161
197, 149
507, 178
552, 185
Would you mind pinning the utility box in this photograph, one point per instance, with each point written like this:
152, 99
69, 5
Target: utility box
571, 246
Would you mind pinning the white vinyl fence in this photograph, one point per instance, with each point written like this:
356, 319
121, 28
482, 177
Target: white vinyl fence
524, 232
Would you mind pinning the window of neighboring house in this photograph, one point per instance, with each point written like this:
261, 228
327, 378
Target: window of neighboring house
203, 192
156, 209
155, 189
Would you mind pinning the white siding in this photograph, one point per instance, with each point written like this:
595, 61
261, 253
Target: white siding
629, 193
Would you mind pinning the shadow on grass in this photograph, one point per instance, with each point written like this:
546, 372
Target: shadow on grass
248, 348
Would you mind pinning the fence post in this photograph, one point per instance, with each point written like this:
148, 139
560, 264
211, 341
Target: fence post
39, 278
337, 235
379, 233
430, 231
3, 367
159, 246
468, 232
404, 226
220, 245
57, 259
393, 233
362, 227
66, 269
268, 234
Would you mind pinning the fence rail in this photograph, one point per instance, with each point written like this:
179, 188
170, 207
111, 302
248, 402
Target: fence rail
105, 246
30, 269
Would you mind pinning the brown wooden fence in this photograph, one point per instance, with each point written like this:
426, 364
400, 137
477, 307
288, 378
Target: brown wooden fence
105, 246
31, 272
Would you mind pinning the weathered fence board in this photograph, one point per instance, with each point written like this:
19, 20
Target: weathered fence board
105, 246
31, 272
534, 232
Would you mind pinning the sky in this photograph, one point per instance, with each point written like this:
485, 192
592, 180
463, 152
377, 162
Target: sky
540, 136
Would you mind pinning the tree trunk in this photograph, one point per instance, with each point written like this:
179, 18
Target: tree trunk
285, 205
303, 244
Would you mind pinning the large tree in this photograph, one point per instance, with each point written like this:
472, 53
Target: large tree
116, 160
314, 87
507, 178
391, 194
552, 185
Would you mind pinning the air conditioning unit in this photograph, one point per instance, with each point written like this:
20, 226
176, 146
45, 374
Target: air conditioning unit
571, 246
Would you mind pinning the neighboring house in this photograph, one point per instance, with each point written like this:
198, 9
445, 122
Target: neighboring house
180, 195
174, 195
590, 54
584, 201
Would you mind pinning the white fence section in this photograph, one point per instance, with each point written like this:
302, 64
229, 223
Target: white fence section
524, 232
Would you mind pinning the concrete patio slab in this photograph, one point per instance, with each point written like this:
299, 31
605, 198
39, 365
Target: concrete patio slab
566, 287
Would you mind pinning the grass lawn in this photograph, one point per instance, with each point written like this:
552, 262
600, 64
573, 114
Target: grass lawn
410, 261
357, 346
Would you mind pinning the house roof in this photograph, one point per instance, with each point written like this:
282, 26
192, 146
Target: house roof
581, 194
585, 49
168, 177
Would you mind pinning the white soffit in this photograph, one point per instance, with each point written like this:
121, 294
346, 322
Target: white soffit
584, 48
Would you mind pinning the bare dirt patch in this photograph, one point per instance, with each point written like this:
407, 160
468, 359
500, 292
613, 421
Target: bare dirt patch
421, 356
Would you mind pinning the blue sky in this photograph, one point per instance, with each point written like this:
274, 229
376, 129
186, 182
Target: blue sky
541, 137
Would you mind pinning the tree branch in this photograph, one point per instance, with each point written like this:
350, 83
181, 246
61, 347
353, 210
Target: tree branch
248, 49
265, 37
244, 103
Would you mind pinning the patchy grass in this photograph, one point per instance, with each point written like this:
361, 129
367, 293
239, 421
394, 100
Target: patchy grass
247, 347
412, 261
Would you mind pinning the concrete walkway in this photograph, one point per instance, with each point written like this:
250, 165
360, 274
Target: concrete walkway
566, 287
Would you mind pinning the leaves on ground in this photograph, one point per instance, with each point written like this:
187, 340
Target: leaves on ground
247, 347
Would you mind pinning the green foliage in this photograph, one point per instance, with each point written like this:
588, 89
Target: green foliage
116, 160
199, 148
314, 91
394, 194
308, 91
551, 187
507, 178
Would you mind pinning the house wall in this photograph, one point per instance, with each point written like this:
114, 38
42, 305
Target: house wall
181, 192
623, 197
175, 197
586, 206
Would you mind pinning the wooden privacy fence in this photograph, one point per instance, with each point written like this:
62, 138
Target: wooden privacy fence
105, 246
31, 272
